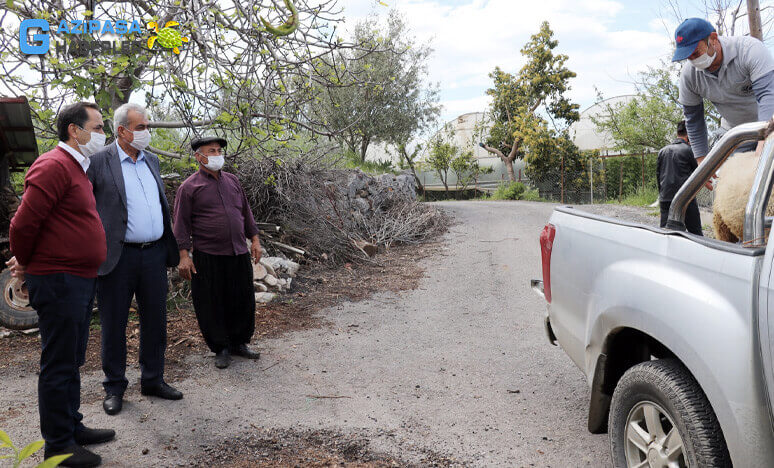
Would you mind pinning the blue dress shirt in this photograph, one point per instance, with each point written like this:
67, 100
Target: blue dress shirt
145, 221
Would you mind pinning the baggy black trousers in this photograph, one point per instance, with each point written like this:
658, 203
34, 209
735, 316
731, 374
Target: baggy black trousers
224, 299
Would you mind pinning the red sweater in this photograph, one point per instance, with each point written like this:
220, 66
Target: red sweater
57, 229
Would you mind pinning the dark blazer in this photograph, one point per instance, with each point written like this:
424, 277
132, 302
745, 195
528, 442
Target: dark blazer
109, 191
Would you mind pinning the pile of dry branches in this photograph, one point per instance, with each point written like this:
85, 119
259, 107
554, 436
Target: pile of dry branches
312, 204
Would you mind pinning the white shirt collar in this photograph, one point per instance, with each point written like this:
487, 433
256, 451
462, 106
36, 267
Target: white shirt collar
82, 160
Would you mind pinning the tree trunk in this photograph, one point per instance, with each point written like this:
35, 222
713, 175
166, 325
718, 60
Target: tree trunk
509, 167
754, 17
363, 148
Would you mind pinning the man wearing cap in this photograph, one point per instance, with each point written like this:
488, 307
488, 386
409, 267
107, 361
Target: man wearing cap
140, 246
735, 73
213, 218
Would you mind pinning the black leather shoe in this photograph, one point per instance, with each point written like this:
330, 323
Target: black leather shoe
245, 351
162, 391
222, 359
113, 404
80, 458
89, 436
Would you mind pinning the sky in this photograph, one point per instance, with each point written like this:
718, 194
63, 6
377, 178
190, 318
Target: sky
608, 42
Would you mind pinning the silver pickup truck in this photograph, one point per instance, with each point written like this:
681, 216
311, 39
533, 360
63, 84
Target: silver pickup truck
674, 332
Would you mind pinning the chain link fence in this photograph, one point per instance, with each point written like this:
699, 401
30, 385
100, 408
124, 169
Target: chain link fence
608, 178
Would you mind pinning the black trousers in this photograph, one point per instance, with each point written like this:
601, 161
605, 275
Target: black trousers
224, 299
141, 273
63, 302
692, 216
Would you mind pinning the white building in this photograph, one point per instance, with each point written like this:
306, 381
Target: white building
584, 132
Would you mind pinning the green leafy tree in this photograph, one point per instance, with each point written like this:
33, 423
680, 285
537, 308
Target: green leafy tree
392, 102
522, 102
467, 169
236, 74
440, 157
647, 121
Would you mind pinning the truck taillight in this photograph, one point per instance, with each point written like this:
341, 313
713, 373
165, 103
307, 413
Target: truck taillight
546, 245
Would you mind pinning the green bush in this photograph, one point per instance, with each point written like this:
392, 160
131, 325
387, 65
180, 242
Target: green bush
509, 191
531, 195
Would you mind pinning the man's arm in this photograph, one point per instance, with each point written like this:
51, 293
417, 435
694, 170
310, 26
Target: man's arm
45, 184
251, 230
659, 162
181, 218
182, 230
697, 130
763, 88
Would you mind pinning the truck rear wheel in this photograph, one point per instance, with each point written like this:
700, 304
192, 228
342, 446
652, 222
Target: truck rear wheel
15, 310
660, 417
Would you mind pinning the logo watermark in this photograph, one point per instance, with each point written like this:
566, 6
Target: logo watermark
35, 37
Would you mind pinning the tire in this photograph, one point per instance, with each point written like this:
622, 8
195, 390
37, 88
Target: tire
15, 310
662, 398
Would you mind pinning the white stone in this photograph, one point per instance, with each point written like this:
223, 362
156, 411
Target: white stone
264, 297
259, 271
271, 280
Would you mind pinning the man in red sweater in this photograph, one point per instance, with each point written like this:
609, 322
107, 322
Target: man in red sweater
58, 243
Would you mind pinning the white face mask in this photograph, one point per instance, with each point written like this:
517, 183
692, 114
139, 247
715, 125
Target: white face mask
96, 143
141, 139
702, 62
214, 163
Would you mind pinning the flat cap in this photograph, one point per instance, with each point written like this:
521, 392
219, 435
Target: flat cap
197, 142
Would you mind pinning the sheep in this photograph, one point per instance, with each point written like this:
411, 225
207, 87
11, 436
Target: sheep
732, 191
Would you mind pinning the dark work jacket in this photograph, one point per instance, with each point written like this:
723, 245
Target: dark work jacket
675, 164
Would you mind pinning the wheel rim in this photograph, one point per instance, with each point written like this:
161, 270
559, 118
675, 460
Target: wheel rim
652, 439
16, 295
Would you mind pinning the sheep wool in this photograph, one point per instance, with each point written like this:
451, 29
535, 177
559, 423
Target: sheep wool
732, 191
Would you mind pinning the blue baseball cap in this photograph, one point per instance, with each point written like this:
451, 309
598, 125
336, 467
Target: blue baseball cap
688, 34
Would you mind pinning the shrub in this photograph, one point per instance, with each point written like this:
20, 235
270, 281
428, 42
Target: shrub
532, 195
509, 191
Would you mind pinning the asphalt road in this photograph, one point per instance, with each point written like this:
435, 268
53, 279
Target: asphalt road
459, 366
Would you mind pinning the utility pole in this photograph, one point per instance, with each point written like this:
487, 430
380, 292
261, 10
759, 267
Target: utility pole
754, 15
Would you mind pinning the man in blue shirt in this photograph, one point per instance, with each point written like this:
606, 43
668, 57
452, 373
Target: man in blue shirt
735, 73
140, 246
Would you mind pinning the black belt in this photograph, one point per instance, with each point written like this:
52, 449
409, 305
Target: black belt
141, 245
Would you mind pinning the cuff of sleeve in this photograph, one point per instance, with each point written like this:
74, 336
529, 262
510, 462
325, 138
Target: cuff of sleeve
183, 245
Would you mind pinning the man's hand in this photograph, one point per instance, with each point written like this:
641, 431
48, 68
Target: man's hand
17, 269
186, 267
255, 249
